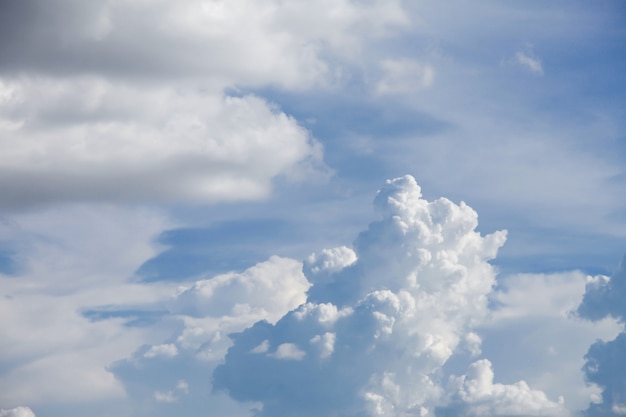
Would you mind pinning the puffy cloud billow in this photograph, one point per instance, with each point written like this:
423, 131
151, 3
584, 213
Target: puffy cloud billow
380, 322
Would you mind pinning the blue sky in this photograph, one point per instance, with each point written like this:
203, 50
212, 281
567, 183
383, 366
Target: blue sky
285, 208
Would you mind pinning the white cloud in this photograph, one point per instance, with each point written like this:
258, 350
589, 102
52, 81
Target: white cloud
404, 76
285, 44
477, 395
321, 266
17, 412
262, 347
91, 139
70, 261
201, 317
386, 323
266, 290
166, 350
288, 351
533, 320
125, 101
325, 342
529, 61
165, 397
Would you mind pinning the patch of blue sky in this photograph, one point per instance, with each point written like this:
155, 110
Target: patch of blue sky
8, 266
132, 317
231, 245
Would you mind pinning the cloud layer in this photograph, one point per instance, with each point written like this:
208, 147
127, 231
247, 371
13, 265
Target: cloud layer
126, 101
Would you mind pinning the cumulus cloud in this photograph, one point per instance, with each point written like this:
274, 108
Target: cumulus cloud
90, 139
166, 350
532, 320
268, 289
476, 395
204, 313
604, 366
605, 296
372, 337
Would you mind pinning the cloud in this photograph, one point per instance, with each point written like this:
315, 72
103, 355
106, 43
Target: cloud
17, 412
526, 59
126, 101
90, 139
71, 260
373, 336
529, 61
167, 350
605, 296
172, 396
404, 76
283, 44
532, 320
476, 395
268, 289
202, 314
604, 366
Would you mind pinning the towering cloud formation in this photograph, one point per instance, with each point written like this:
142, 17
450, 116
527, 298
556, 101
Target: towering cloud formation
380, 323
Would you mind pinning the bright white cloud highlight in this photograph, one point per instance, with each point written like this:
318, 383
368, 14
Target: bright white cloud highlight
288, 351
168, 351
478, 396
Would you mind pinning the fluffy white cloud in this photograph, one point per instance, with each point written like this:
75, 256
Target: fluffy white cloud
373, 335
476, 395
532, 320
204, 313
320, 266
268, 289
91, 139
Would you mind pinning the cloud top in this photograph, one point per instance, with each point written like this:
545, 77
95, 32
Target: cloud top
372, 337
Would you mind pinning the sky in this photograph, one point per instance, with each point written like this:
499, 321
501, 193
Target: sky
340, 208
